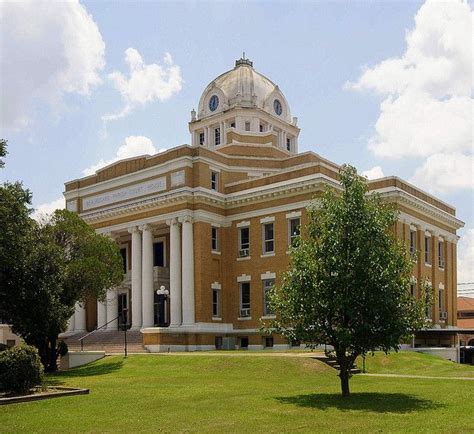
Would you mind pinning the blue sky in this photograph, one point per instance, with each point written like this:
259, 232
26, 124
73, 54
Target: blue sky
329, 59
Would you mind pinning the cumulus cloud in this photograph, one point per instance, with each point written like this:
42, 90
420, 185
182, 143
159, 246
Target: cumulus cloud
42, 211
48, 49
445, 173
145, 83
133, 146
466, 257
374, 173
427, 108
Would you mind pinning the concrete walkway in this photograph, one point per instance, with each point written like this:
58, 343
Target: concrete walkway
417, 376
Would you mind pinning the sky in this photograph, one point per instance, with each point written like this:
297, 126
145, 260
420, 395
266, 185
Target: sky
383, 85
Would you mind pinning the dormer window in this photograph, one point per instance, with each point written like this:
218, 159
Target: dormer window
217, 136
247, 126
288, 144
201, 138
232, 124
262, 128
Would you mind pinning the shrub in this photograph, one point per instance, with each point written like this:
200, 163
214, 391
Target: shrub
20, 369
62, 348
3, 347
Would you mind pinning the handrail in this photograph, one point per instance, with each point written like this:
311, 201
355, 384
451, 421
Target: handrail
81, 340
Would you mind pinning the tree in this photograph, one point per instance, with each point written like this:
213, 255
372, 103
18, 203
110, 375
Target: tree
348, 285
66, 262
47, 267
3, 151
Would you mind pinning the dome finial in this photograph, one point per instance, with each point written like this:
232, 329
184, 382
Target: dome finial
243, 61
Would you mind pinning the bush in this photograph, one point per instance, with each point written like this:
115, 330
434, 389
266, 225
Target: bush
3, 347
20, 369
62, 348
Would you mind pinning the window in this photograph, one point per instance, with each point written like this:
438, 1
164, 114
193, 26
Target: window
216, 303
288, 144
217, 136
201, 138
268, 238
268, 342
267, 286
441, 300
294, 231
244, 299
413, 289
427, 249
214, 181
412, 241
247, 126
441, 254
262, 129
244, 342
123, 254
244, 242
218, 342
214, 239
159, 254
232, 124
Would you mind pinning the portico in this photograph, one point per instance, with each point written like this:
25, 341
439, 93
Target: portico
151, 266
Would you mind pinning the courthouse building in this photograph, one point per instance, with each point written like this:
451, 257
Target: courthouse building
205, 229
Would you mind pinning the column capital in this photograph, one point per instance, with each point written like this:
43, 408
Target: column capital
173, 221
110, 234
133, 229
186, 219
145, 227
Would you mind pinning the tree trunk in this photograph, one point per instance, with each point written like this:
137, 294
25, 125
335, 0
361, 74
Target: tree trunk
345, 365
53, 355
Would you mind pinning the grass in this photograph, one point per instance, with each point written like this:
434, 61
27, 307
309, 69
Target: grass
411, 363
148, 393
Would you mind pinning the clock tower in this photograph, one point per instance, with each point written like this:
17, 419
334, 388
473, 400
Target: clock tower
245, 107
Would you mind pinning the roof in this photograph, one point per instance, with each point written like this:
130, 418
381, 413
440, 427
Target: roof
465, 304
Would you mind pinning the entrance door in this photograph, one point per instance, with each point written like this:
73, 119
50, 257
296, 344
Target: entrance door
161, 310
123, 309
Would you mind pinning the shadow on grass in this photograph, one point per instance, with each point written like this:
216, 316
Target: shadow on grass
377, 402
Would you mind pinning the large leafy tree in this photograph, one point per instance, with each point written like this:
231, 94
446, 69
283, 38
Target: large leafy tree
348, 285
45, 268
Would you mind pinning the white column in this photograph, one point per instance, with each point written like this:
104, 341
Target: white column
223, 134
71, 324
101, 313
175, 273
112, 308
80, 318
136, 278
147, 276
188, 270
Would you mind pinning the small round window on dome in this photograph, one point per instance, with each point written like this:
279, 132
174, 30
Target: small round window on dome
277, 107
213, 103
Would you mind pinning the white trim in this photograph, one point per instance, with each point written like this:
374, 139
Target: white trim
293, 215
215, 252
268, 275
216, 225
413, 228
268, 255
441, 285
216, 285
440, 239
428, 234
244, 278
214, 169
420, 223
268, 317
245, 258
244, 318
215, 318
267, 220
243, 224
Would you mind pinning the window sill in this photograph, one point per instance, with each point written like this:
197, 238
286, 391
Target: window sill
441, 268
215, 252
216, 318
244, 318
266, 255
245, 258
427, 265
268, 317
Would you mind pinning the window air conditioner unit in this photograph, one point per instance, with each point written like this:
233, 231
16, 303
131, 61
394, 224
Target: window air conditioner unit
244, 252
443, 315
244, 313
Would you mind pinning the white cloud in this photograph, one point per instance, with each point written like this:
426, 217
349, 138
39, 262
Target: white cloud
134, 146
466, 257
145, 83
445, 173
48, 49
374, 173
427, 110
42, 211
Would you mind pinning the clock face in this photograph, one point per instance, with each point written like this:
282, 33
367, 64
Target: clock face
213, 103
277, 107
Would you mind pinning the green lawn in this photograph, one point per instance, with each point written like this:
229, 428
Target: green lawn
219, 393
410, 363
